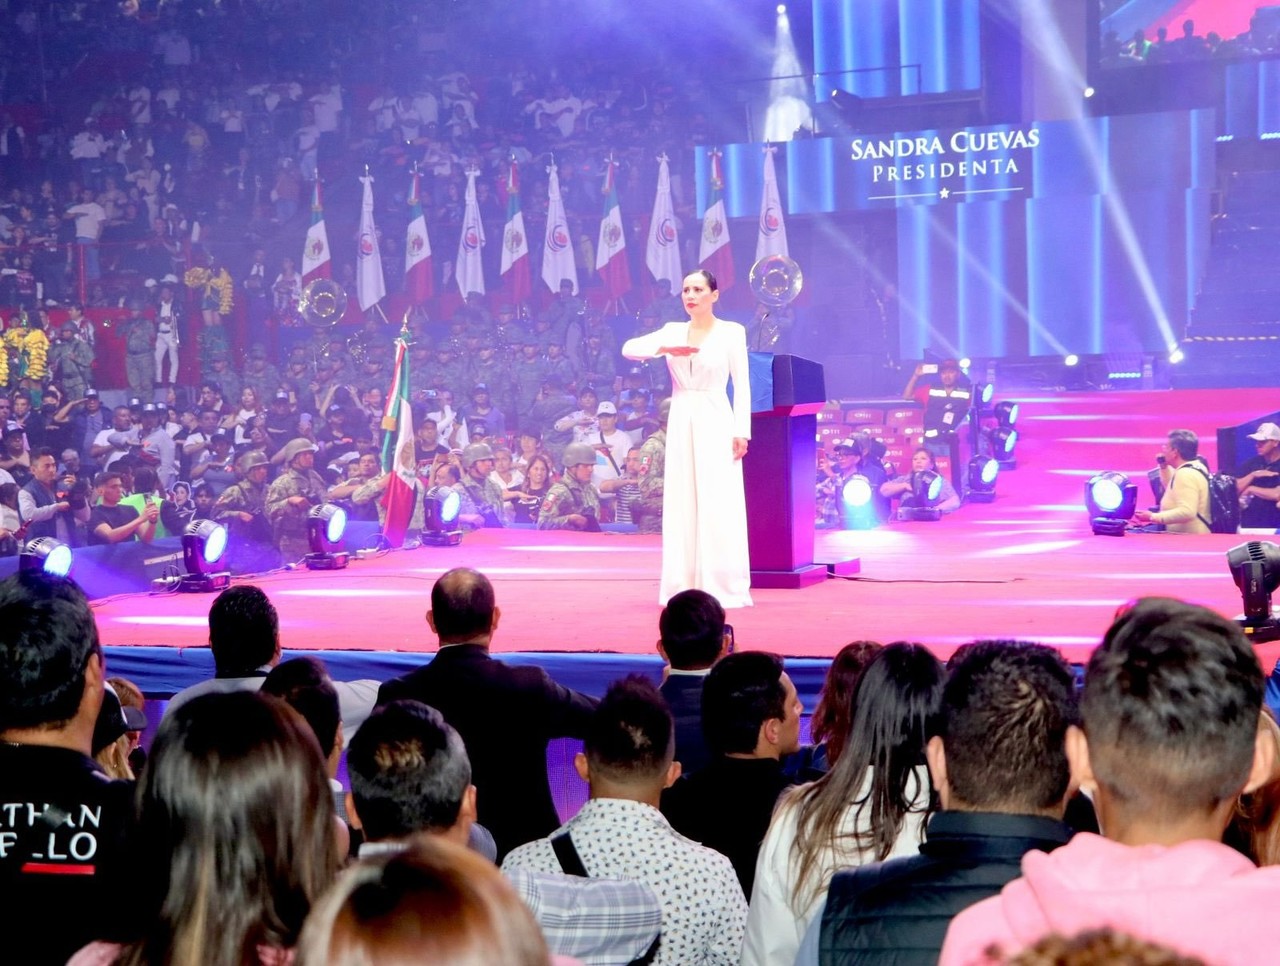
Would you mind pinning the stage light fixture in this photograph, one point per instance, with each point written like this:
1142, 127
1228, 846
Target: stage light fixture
1002, 440
441, 506
1006, 413
982, 474
1089, 92
1070, 360
47, 554
982, 393
926, 494
857, 504
1110, 499
1176, 356
325, 526
204, 545
1255, 567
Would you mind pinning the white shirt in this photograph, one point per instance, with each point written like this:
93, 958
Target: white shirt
89, 219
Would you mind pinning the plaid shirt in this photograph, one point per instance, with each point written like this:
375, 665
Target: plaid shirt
597, 921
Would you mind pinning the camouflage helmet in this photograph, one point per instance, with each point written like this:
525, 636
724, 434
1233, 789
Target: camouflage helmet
252, 460
474, 453
577, 454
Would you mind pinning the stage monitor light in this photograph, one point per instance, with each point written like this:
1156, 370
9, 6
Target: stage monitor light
1255, 567
1176, 356
983, 471
1003, 440
926, 494
1110, 499
46, 554
1070, 360
325, 526
441, 507
857, 504
856, 492
1006, 413
983, 392
204, 544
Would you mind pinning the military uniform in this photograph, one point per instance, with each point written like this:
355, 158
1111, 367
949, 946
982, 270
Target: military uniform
250, 546
599, 368
562, 368
211, 342
566, 497
646, 512
139, 360
487, 497
71, 366
264, 382
288, 522
528, 375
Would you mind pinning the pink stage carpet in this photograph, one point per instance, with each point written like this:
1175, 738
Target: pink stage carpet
1025, 566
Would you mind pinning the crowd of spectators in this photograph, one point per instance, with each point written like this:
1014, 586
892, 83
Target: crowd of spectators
989, 810
1158, 47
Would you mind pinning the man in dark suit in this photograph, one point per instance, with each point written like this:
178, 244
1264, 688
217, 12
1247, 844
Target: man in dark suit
751, 718
506, 715
692, 637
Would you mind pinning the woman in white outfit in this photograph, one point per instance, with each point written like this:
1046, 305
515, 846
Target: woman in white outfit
869, 807
704, 508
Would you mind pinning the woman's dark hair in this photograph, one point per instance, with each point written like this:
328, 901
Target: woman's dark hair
894, 709
9, 495
546, 462
712, 284
236, 832
144, 480
833, 717
933, 463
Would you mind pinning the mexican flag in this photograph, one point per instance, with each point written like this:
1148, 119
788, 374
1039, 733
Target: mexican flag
315, 250
516, 276
611, 249
418, 283
714, 253
398, 453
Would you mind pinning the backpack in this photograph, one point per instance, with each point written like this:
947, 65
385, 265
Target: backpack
1224, 502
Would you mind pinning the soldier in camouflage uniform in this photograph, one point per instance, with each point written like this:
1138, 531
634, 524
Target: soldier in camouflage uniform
573, 503
494, 372
242, 509
140, 353
477, 464
599, 364
211, 343
560, 365
291, 498
528, 373
447, 372
260, 375
646, 512
71, 362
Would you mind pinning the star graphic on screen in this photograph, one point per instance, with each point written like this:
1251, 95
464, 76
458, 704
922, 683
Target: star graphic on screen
944, 193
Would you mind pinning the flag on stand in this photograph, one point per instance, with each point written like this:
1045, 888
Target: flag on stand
370, 286
714, 253
557, 247
398, 455
662, 252
418, 282
515, 243
468, 269
315, 250
611, 249
772, 239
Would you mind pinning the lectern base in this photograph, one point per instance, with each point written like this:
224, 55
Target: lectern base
796, 579
844, 568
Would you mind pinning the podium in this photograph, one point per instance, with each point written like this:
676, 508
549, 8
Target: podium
787, 393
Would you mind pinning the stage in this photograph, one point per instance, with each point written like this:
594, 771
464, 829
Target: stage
1025, 566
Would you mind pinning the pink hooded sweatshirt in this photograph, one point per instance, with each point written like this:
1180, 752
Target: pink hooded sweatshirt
1201, 898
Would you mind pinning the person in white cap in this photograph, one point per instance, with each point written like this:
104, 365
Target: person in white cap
1258, 481
612, 443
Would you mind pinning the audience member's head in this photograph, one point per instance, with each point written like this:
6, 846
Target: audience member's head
629, 748
409, 773
750, 707
303, 683
1099, 947
244, 631
1170, 721
437, 902
463, 607
51, 673
1255, 824
691, 630
236, 825
1001, 733
833, 717
113, 732
1185, 443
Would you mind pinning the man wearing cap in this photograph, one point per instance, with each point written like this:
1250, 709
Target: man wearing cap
646, 511
582, 421
71, 362
292, 496
484, 492
156, 445
599, 362
227, 379
573, 503
92, 420
242, 510
493, 372
612, 443
168, 319
282, 420
140, 352
554, 403
484, 411
528, 374
259, 374
638, 420
1258, 481
59, 804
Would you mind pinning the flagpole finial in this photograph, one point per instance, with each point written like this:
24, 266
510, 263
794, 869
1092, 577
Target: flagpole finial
366, 171
662, 158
